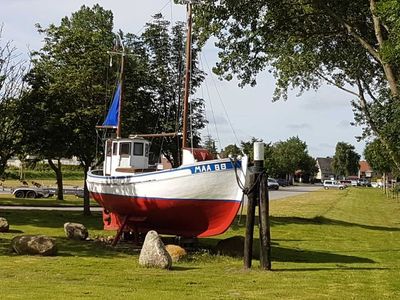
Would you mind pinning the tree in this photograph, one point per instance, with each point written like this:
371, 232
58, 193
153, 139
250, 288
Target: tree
231, 150
289, 156
68, 80
160, 52
209, 144
12, 69
377, 157
353, 45
345, 161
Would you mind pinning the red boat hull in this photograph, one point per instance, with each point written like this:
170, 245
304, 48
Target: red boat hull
182, 217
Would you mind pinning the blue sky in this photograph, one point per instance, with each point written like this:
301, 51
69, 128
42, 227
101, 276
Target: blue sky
320, 118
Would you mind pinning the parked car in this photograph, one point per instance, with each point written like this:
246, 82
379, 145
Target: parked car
333, 184
273, 184
363, 182
346, 182
282, 182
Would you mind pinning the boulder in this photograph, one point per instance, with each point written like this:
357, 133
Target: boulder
75, 231
153, 253
4, 225
176, 252
34, 245
233, 246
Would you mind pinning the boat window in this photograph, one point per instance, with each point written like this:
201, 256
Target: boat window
146, 151
108, 148
115, 148
138, 149
125, 148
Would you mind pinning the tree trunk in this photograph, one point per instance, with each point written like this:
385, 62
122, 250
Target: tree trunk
2, 168
57, 170
86, 198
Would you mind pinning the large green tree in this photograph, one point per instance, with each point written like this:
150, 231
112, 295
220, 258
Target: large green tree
377, 157
68, 81
353, 45
160, 52
345, 161
291, 155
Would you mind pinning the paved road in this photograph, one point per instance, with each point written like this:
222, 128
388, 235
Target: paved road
290, 191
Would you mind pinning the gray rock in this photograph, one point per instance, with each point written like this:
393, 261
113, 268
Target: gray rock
176, 252
34, 245
4, 227
75, 231
153, 253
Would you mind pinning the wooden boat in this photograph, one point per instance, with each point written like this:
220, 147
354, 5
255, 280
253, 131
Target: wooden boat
200, 198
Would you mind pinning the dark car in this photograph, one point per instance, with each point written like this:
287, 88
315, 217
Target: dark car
363, 182
282, 182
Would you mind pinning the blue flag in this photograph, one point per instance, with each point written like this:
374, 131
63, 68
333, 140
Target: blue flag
112, 116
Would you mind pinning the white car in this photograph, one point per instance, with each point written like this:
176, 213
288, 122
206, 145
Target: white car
333, 184
273, 184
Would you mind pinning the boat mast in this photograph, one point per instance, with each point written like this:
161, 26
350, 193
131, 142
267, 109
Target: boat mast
187, 73
121, 80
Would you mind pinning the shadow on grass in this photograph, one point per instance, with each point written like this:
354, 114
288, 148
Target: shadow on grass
318, 220
69, 248
52, 219
281, 254
342, 268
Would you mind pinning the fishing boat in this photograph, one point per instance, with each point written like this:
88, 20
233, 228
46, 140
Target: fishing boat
200, 198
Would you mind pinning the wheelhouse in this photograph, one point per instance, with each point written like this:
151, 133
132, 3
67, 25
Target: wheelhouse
126, 155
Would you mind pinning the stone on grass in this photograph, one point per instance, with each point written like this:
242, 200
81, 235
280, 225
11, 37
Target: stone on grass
75, 231
233, 246
4, 227
34, 245
176, 252
153, 253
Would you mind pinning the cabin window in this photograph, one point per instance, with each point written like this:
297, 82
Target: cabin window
138, 149
108, 148
115, 149
146, 150
125, 149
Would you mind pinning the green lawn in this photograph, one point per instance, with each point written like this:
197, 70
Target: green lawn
12, 183
326, 245
69, 200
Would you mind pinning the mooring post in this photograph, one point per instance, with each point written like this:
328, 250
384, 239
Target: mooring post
264, 225
253, 199
251, 208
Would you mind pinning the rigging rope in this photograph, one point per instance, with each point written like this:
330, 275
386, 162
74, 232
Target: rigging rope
212, 108
222, 103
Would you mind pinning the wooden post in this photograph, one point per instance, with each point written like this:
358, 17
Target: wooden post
251, 207
253, 199
264, 224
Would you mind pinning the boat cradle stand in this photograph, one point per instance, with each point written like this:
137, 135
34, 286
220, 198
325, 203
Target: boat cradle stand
132, 223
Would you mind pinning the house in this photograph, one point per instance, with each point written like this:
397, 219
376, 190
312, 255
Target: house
325, 171
365, 171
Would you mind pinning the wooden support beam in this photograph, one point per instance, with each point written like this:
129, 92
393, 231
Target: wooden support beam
251, 208
120, 231
264, 225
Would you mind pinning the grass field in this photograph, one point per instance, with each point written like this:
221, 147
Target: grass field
12, 183
69, 200
326, 245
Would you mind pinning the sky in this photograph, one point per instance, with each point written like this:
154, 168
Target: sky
320, 118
